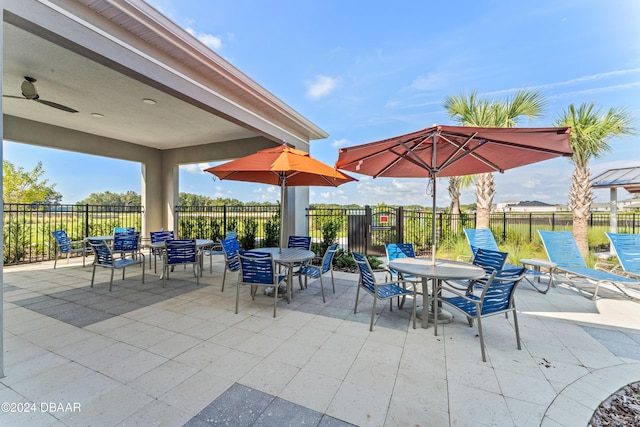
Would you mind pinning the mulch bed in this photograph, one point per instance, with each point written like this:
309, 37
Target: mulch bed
622, 408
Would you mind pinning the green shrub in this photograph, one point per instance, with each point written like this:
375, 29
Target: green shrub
272, 232
248, 239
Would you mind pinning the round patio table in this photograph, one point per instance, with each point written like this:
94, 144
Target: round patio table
441, 270
288, 257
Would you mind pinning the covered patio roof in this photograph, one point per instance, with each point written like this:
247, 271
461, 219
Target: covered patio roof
135, 86
627, 178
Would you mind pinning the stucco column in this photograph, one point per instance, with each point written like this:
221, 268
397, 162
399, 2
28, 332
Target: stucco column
170, 186
296, 214
151, 195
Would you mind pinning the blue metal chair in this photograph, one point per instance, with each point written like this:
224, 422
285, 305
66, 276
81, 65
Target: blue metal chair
257, 269
104, 258
490, 261
180, 252
316, 272
496, 297
382, 291
217, 249
562, 250
301, 242
68, 246
231, 247
158, 237
117, 230
395, 251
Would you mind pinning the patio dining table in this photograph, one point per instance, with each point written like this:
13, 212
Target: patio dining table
200, 244
288, 257
437, 272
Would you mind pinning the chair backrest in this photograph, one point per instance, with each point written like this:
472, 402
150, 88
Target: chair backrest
161, 236
123, 242
256, 267
327, 259
231, 248
367, 279
117, 230
481, 238
398, 250
231, 235
103, 255
497, 294
627, 248
302, 242
561, 248
490, 260
181, 251
64, 243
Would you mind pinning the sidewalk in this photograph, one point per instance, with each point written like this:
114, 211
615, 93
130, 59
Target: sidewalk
147, 355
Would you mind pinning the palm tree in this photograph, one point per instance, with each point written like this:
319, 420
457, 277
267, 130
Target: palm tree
472, 111
590, 131
457, 183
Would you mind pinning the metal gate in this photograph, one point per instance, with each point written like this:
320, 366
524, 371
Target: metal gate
370, 231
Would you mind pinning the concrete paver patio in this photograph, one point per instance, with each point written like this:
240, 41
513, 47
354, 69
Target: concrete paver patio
147, 355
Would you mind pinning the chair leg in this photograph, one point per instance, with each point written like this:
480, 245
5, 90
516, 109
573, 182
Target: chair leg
55, 261
373, 312
93, 274
333, 283
484, 357
224, 277
111, 281
275, 299
357, 296
321, 289
237, 296
515, 324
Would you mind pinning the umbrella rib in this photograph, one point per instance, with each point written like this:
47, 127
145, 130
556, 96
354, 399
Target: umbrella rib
459, 147
471, 152
416, 160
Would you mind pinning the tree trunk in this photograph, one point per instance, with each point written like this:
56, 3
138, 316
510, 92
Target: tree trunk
454, 194
485, 190
580, 198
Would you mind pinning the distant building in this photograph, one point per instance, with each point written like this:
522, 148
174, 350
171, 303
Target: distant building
527, 206
537, 206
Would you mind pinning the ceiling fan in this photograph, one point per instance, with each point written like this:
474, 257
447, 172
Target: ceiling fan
29, 92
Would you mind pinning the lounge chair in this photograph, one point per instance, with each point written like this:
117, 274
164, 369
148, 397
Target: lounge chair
627, 249
562, 250
482, 238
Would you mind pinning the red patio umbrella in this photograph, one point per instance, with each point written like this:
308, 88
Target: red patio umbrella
441, 151
284, 166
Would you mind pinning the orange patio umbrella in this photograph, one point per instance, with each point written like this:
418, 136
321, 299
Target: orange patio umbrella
284, 166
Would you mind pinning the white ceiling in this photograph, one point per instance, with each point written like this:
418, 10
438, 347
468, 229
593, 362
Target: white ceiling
70, 79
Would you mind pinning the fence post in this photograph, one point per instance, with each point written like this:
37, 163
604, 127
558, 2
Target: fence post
530, 226
400, 224
86, 220
504, 226
553, 221
224, 220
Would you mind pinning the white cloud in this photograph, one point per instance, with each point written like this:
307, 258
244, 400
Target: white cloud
340, 143
195, 168
209, 40
321, 86
431, 81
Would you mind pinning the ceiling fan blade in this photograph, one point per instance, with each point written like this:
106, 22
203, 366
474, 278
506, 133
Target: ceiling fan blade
56, 105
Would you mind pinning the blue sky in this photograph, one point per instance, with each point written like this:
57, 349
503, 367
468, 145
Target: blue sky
368, 70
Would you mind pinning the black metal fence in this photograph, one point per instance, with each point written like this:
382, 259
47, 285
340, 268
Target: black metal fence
27, 228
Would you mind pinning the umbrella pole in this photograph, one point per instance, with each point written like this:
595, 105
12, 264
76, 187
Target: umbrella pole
433, 221
283, 197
